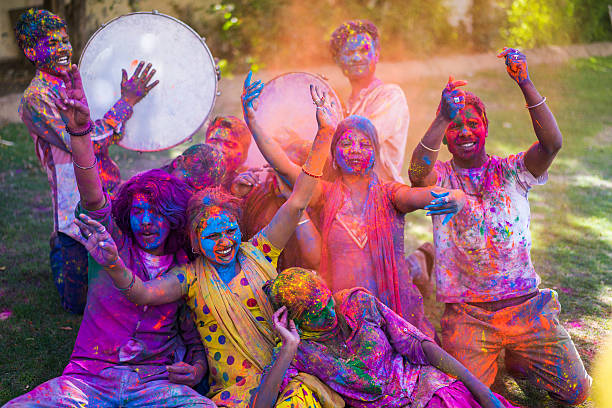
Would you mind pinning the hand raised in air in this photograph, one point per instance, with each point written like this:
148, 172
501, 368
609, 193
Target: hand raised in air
453, 98
516, 64
97, 240
137, 87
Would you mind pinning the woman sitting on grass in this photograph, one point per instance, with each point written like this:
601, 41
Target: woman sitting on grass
363, 350
223, 286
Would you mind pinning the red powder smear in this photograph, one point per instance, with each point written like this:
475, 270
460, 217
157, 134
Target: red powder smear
134, 63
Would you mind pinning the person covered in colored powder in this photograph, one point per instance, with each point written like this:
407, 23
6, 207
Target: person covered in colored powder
483, 268
44, 40
264, 193
355, 47
233, 138
363, 350
200, 166
362, 217
224, 284
125, 354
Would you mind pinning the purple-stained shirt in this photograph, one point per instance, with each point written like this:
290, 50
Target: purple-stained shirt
380, 363
115, 331
52, 143
483, 252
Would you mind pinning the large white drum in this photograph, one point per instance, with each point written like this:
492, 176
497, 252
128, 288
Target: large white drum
286, 111
179, 105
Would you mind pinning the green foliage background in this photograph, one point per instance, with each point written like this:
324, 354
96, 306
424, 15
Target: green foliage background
247, 33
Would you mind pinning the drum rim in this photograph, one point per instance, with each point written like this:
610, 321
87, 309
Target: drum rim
202, 40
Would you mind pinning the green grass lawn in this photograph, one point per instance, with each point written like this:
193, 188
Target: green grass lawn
571, 220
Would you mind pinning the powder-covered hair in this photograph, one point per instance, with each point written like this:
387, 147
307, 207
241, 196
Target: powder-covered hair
346, 29
237, 126
203, 165
297, 289
35, 24
202, 202
166, 193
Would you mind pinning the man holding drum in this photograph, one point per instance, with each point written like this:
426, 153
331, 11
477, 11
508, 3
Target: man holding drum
44, 40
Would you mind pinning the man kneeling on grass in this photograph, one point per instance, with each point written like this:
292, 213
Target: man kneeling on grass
483, 264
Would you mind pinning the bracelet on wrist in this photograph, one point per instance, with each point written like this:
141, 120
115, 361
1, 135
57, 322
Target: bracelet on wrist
88, 167
429, 148
129, 287
84, 132
537, 104
311, 174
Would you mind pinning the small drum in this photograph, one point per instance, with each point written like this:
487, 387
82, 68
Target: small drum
178, 106
286, 111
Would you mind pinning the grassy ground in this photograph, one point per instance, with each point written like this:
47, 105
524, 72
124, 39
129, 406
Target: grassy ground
571, 225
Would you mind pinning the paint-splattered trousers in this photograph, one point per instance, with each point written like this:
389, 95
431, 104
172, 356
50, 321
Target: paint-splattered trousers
118, 386
536, 346
69, 268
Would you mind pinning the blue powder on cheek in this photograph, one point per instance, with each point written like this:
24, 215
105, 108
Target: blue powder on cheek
426, 160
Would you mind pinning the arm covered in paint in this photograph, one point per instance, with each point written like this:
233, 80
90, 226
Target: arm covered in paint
101, 246
407, 199
541, 154
268, 391
444, 362
306, 181
421, 171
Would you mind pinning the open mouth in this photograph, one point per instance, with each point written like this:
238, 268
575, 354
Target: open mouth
225, 254
468, 145
65, 61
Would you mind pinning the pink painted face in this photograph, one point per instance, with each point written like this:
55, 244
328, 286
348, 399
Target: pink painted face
149, 226
52, 53
220, 237
466, 134
358, 57
354, 153
233, 152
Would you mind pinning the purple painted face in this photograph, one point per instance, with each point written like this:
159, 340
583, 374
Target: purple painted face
358, 57
52, 53
150, 228
220, 237
354, 153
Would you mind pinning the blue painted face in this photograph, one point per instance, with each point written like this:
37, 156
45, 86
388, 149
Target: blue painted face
354, 153
52, 53
358, 57
220, 237
149, 226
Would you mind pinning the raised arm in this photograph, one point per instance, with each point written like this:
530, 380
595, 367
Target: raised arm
100, 245
306, 185
424, 156
541, 154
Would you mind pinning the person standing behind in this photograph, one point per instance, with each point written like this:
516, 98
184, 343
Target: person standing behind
483, 265
44, 40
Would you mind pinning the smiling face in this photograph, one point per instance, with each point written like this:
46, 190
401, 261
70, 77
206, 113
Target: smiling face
234, 153
354, 153
358, 56
322, 316
219, 237
150, 228
466, 136
52, 53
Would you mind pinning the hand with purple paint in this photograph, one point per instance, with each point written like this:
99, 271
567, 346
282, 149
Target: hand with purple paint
187, 374
286, 330
72, 101
449, 203
453, 99
97, 240
137, 87
516, 64
249, 96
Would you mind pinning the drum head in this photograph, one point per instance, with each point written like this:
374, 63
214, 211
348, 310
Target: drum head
178, 106
286, 111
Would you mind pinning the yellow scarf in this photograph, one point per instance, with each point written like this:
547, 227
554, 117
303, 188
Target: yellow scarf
252, 339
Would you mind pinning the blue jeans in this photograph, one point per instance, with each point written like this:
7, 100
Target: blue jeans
69, 267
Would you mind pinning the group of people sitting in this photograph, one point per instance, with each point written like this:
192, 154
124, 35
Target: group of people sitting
205, 285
